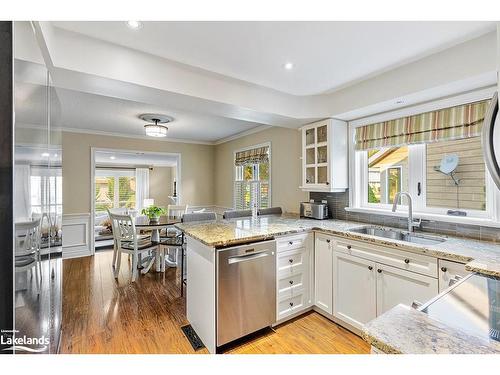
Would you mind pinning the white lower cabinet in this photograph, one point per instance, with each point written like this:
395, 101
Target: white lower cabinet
294, 275
354, 286
449, 273
323, 272
395, 286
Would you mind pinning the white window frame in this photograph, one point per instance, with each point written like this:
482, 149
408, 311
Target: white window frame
358, 173
238, 171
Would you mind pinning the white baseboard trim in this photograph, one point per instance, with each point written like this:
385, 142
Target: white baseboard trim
76, 235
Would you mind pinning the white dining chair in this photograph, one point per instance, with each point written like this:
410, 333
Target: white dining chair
27, 250
128, 241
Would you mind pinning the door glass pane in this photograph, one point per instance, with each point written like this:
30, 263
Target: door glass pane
322, 175
322, 133
310, 139
310, 157
310, 175
322, 154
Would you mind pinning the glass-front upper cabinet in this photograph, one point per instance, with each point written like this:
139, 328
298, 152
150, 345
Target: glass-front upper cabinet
324, 156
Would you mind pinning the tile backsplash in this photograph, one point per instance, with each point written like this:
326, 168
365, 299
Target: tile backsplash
337, 202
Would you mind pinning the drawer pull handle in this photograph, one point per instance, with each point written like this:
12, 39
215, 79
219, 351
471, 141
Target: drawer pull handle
407, 261
291, 304
349, 247
290, 243
327, 241
444, 269
370, 268
291, 282
290, 260
379, 270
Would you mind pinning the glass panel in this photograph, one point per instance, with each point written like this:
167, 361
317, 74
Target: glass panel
387, 174
37, 199
264, 172
322, 154
248, 172
310, 138
470, 193
126, 192
310, 156
322, 175
104, 191
322, 134
310, 175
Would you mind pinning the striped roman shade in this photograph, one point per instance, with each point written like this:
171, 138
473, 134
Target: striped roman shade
463, 121
259, 155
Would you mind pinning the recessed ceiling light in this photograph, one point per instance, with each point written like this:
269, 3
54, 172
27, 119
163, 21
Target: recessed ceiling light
112, 157
134, 24
288, 66
45, 154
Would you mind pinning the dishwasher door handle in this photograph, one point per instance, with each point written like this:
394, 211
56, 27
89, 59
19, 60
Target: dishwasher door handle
247, 257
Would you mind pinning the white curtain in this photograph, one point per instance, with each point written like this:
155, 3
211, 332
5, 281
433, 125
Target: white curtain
22, 192
142, 187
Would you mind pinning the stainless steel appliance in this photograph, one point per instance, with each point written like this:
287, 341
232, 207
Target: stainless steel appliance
472, 306
314, 210
491, 140
246, 290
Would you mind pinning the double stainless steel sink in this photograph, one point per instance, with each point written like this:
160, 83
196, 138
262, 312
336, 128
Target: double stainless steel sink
400, 235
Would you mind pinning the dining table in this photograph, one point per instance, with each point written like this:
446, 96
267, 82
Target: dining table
155, 226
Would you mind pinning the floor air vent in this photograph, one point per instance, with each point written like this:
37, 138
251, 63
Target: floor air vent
193, 338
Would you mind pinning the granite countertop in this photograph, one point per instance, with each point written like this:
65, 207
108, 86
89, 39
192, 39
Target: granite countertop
403, 330
479, 256
399, 330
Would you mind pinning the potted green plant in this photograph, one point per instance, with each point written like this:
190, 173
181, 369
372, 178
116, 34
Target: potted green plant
153, 212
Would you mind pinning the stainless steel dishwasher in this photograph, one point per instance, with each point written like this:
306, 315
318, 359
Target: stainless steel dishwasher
246, 290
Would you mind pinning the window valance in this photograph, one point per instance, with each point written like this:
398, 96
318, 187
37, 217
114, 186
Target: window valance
458, 122
259, 155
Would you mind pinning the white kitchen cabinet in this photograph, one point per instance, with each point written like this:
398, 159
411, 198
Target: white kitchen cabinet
354, 289
294, 275
395, 286
324, 156
323, 272
450, 271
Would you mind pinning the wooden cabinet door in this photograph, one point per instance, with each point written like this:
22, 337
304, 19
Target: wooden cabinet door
395, 286
354, 289
323, 268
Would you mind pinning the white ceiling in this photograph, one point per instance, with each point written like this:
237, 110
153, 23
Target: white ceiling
88, 112
122, 158
326, 55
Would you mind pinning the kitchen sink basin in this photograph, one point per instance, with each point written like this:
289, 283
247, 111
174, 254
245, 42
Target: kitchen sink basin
395, 234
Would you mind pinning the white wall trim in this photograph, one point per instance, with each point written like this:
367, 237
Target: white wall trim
76, 236
257, 129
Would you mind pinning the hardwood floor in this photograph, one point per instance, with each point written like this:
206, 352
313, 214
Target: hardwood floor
104, 315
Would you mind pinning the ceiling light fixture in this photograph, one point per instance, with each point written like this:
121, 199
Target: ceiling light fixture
45, 155
156, 129
134, 25
112, 157
288, 66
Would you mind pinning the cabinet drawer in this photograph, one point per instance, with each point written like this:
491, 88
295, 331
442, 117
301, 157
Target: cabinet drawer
291, 242
292, 285
291, 305
405, 260
450, 271
292, 262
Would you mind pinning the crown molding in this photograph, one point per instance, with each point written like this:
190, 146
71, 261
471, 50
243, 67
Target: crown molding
257, 129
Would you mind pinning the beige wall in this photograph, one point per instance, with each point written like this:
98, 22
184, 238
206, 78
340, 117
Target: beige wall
285, 167
161, 185
197, 167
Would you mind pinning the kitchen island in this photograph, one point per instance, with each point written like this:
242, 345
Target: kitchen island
205, 239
